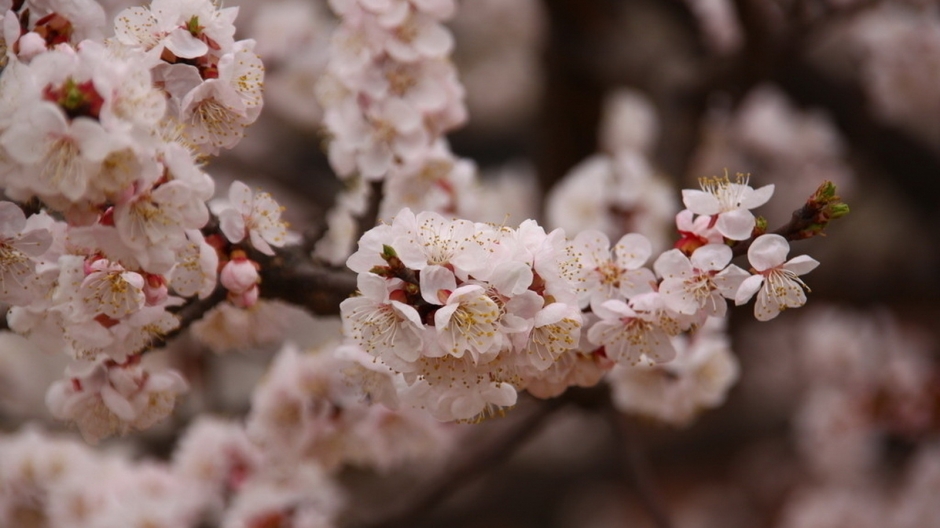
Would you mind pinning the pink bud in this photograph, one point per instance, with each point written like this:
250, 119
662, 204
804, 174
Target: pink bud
31, 44
155, 290
246, 299
239, 275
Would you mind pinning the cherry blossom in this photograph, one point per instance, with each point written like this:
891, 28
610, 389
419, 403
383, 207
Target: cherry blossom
19, 280
256, 216
106, 398
609, 277
701, 282
631, 333
728, 204
776, 283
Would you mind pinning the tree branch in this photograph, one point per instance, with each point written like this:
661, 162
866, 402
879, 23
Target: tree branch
489, 455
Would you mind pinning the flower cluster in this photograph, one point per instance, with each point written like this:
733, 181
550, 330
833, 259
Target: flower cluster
389, 94
467, 314
105, 139
212, 82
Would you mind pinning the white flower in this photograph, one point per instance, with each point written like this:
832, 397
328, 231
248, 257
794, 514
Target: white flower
700, 377
730, 202
382, 327
429, 239
196, 267
19, 282
699, 283
778, 282
111, 290
106, 399
256, 215
468, 321
603, 277
217, 111
631, 333
556, 330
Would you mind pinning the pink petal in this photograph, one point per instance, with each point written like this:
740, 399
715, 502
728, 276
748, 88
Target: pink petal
433, 39
12, 220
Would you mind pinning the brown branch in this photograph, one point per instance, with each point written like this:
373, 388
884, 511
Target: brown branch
488, 456
291, 276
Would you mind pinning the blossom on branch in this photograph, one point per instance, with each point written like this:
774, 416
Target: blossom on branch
776, 283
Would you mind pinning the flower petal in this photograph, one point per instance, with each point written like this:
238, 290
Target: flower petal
747, 289
737, 224
711, 257
801, 265
768, 251
700, 202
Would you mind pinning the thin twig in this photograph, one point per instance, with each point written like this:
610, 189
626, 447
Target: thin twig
489, 456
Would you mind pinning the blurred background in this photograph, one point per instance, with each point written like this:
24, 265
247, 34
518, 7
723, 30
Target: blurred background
594, 114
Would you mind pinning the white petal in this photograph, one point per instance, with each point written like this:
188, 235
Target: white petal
677, 298
729, 280
434, 279
372, 287
184, 45
768, 251
701, 202
232, 225
433, 39
711, 257
747, 289
633, 250
766, 307
737, 224
636, 282
673, 263
512, 278
259, 243
801, 265
118, 404
240, 197
757, 197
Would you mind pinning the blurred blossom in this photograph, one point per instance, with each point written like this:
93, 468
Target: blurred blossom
777, 143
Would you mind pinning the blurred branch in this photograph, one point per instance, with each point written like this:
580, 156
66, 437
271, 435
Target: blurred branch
292, 276
477, 462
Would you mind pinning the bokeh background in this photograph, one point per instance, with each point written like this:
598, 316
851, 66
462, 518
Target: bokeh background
834, 420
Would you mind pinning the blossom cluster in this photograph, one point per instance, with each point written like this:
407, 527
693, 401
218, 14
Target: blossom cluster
102, 142
468, 314
389, 95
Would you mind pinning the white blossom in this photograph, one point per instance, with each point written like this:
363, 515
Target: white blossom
776, 283
255, 215
729, 203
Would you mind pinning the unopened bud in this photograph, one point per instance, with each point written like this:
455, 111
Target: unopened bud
238, 275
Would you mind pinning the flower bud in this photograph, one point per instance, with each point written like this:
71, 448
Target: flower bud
239, 275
